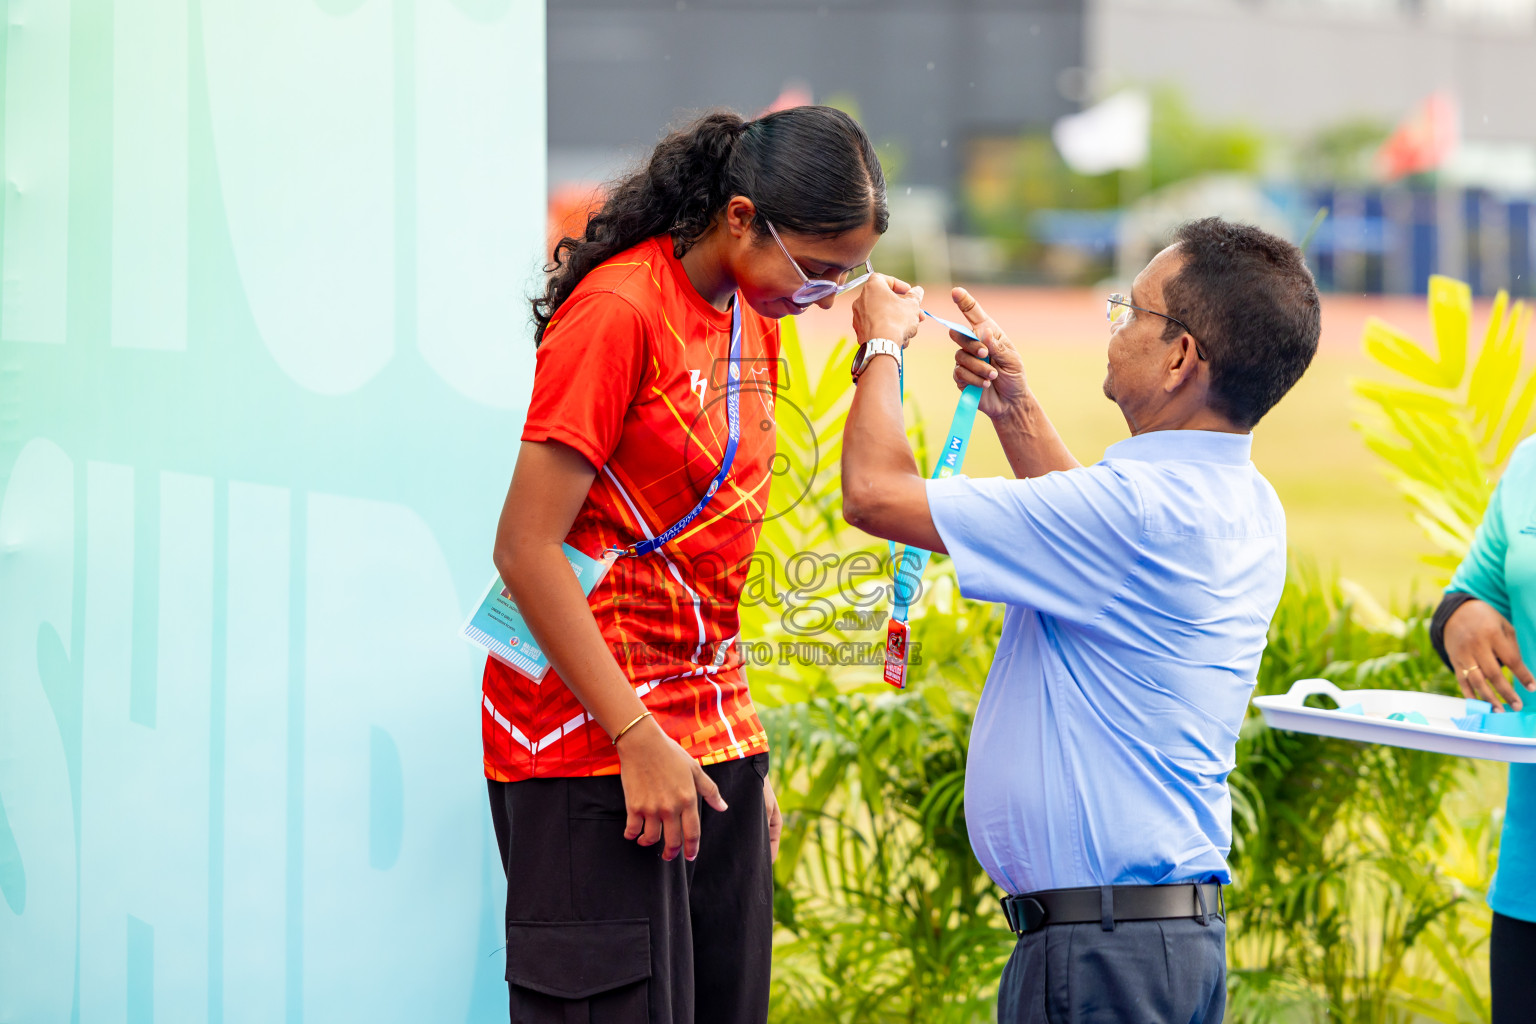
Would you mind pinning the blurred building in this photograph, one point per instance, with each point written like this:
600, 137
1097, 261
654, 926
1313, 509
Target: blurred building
927, 75
959, 97
1297, 68
922, 75
1294, 66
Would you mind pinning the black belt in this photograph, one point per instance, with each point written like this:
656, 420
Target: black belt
1107, 904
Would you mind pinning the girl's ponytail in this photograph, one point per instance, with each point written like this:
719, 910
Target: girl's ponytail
810, 169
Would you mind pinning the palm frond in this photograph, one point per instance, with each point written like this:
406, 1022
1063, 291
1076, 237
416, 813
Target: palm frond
1446, 433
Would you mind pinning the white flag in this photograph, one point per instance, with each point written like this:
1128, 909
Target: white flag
1109, 136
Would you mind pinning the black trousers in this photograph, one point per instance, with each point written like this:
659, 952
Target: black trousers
601, 930
1172, 971
1512, 970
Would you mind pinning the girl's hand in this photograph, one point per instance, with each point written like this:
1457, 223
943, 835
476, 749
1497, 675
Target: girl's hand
887, 308
1481, 644
775, 818
662, 786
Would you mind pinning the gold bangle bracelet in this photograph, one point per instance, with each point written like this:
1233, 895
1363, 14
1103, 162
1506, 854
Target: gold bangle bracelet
638, 719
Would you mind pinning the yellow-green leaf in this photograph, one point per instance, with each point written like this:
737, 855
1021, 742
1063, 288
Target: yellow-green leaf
833, 385
793, 352
1493, 376
1450, 310
1519, 417
1396, 351
1452, 542
1397, 396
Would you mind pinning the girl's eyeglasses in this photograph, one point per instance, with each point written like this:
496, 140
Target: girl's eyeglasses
1118, 310
815, 289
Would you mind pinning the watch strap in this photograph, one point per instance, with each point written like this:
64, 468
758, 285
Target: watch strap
874, 347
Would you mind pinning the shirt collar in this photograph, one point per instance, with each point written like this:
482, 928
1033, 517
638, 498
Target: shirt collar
720, 318
1185, 446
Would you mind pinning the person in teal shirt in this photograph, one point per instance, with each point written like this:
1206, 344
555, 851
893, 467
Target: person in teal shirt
1489, 613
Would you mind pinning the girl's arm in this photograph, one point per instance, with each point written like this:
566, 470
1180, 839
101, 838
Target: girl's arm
662, 783
883, 493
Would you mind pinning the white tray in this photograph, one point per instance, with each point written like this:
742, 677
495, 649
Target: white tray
1441, 736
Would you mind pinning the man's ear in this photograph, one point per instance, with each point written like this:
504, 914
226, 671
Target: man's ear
1182, 363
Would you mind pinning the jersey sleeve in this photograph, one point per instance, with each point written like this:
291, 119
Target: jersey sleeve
588, 372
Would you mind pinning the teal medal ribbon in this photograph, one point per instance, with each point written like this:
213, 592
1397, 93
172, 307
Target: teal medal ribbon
907, 569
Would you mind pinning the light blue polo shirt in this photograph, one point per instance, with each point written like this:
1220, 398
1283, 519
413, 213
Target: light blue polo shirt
1139, 594
1500, 568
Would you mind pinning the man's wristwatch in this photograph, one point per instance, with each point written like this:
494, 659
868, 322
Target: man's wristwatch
871, 348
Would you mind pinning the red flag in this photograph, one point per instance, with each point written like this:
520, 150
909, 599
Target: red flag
794, 94
1424, 141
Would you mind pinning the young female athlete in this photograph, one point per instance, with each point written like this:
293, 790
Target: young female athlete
650, 434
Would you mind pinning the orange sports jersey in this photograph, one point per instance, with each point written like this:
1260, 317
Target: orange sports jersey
632, 375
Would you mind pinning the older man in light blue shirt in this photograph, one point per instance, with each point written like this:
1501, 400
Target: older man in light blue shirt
1139, 592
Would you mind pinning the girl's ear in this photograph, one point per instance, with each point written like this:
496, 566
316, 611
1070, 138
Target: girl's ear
740, 212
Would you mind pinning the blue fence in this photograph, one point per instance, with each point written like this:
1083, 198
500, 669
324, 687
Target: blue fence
1391, 240
1374, 240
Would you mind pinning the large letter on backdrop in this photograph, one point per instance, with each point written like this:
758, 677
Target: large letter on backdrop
263, 363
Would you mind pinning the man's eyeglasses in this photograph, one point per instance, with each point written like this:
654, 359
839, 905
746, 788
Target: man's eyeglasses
815, 288
1118, 310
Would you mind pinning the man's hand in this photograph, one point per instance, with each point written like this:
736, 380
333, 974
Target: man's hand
662, 786
1003, 386
887, 308
775, 818
1481, 644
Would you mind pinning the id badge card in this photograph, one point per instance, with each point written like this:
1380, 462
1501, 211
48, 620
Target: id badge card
497, 627
897, 633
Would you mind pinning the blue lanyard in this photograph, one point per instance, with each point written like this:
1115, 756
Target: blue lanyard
908, 571
733, 435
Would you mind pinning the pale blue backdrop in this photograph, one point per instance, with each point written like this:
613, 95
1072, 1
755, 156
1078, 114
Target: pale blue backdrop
264, 356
